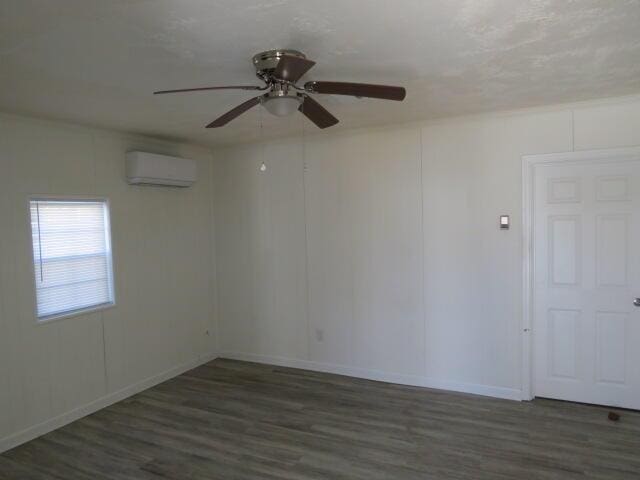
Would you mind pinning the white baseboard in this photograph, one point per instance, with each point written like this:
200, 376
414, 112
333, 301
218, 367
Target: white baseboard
47, 426
402, 379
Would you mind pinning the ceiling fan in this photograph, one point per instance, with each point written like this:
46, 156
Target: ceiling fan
280, 70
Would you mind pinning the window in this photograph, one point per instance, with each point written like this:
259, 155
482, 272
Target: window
71, 256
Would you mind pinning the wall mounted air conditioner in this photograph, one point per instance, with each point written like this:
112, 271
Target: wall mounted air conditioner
153, 169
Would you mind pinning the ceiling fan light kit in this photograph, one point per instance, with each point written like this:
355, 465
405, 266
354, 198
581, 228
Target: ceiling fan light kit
281, 102
280, 70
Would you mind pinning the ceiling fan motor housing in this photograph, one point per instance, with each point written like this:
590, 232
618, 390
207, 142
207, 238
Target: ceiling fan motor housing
266, 62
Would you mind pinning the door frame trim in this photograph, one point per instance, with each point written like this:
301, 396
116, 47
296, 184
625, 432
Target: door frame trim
529, 164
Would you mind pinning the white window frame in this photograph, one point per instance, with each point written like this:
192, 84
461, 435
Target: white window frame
110, 269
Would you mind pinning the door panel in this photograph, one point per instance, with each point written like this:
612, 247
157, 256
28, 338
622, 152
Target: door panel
586, 330
612, 233
562, 358
611, 347
564, 250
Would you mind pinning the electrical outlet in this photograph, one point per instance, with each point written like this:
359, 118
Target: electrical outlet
319, 335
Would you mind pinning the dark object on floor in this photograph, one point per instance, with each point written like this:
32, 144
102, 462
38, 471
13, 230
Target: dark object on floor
614, 417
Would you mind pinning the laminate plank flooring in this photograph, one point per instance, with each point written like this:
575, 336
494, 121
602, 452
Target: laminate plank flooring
238, 420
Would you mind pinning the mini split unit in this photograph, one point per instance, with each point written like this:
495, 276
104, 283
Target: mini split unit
152, 169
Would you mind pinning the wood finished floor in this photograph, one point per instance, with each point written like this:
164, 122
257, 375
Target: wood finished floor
237, 420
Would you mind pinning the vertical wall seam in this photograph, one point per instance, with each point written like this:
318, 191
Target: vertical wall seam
213, 277
12, 221
423, 256
306, 242
104, 355
104, 339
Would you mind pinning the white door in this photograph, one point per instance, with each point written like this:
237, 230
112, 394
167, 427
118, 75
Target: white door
586, 266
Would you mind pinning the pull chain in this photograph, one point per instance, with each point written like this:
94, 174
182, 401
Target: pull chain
263, 166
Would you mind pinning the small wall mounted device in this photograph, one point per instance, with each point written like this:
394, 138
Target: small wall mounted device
152, 169
504, 222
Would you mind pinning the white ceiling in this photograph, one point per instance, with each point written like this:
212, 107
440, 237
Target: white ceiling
96, 62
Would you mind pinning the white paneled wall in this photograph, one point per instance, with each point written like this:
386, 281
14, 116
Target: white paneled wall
377, 253
162, 241
364, 252
373, 253
264, 287
471, 176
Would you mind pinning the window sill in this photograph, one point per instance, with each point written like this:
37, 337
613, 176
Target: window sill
75, 313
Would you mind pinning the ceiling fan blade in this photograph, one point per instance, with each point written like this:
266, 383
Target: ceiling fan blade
227, 87
386, 92
317, 113
291, 68
234, 112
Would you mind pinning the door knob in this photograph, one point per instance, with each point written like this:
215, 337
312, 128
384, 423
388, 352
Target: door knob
636, 302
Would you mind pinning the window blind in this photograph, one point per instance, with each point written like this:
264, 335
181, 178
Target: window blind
71, 255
